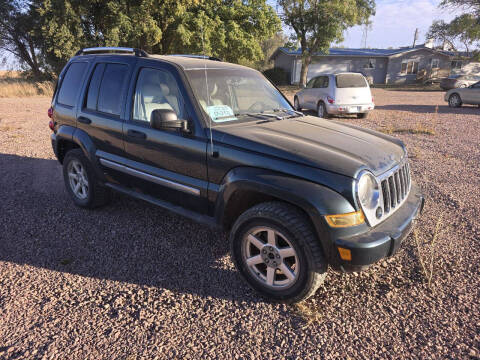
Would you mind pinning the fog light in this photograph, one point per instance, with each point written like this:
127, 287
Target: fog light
345, 254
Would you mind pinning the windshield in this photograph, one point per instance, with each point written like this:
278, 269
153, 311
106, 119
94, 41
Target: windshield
350, 81
235, 94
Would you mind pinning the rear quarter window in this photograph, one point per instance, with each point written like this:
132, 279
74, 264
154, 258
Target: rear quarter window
71, 84
350, 81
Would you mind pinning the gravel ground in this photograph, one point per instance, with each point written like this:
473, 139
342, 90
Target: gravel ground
134, 281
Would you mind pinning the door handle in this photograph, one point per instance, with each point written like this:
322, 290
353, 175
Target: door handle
136, 134
84, 120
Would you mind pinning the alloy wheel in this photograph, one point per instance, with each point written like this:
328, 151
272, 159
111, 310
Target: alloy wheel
270, 257
78, 179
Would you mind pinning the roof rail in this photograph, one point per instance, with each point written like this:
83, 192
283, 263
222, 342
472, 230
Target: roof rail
107, 50
205, 57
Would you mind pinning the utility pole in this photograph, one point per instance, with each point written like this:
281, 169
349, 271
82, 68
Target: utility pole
415, 37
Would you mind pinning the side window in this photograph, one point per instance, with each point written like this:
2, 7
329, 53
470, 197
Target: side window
321, 82
310, 83
156, 89
111, 88
94, 86
67, 95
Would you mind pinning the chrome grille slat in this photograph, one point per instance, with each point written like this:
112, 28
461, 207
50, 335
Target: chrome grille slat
395, 187
393, 192
386, 196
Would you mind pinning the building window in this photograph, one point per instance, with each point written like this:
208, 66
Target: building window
370, 64
409, 67
457, 64
435, 63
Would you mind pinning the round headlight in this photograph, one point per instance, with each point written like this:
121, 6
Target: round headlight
368, 191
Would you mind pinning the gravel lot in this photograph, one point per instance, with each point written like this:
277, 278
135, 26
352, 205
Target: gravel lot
134, 281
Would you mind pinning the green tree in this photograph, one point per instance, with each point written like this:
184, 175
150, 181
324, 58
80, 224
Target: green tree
230, 29
318, 23
17, 35
464, 28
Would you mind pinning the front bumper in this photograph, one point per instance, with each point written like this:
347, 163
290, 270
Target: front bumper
384, 239
334, 109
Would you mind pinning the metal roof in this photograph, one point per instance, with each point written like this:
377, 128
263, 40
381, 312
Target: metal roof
359, 52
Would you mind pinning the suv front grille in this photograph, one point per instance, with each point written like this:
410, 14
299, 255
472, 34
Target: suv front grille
395, 188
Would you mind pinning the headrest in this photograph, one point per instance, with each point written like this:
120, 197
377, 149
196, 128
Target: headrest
165, 89
150, 90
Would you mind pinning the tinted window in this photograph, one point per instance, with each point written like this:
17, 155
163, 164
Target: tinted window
94, 86
350, 81
156, 89
310, 83
110, 94
321, 82
71, 84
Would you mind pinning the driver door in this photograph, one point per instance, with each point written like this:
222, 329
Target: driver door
474, 94
168, 165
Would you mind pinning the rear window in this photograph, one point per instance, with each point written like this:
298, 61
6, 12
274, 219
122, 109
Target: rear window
350, 81
71, 83
111, 89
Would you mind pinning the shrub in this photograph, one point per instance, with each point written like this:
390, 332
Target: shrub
278, 76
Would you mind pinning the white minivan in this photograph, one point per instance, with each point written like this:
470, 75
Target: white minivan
336, 94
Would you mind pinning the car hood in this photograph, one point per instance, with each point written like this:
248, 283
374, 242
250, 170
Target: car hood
324, 144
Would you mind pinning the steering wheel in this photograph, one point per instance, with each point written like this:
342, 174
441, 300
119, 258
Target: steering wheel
257, 106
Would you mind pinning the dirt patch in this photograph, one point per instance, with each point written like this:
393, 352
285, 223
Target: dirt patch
134, 281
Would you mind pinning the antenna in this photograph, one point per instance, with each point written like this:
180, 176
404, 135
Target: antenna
208, 94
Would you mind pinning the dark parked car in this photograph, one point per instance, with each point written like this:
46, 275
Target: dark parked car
217, 142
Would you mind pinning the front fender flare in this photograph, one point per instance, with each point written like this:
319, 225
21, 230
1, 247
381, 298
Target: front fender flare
314, 199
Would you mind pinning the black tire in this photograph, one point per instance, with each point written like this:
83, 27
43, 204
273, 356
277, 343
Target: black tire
97, 195
325, 115
296, 104
362, 116
454, 101
292, 223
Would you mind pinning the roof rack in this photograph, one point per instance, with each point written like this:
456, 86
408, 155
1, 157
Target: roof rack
107, 50
205, 57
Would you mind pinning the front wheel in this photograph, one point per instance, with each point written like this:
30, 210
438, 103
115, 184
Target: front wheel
454, 101
276, 251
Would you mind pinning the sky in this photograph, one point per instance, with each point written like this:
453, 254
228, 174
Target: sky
395, 22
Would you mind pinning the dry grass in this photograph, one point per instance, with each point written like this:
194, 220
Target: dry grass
13, 85
428, 268
419, 128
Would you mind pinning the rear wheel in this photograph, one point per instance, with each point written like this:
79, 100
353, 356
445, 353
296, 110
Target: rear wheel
454, 101
276, 251
81, 181
296, 103
322, 110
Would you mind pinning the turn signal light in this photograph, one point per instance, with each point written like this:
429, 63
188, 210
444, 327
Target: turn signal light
50, 113
345, 254
330, 100
345, 220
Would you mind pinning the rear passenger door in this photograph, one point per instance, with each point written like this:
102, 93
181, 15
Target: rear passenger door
103, 106
320, 89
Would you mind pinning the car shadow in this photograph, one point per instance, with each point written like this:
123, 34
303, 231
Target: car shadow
128, 240
430, 109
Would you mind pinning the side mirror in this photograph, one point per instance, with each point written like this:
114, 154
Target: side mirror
166, 119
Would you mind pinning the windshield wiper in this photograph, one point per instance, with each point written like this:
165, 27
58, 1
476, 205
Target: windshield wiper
257, 115
289, 111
